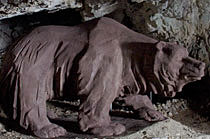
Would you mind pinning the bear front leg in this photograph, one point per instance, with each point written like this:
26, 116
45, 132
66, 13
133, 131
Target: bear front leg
144, 108
32, 114
100, 84
94, 116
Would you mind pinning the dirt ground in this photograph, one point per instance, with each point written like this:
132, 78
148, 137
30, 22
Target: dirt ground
182, 123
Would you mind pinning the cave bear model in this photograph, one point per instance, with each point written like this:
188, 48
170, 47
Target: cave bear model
96, 62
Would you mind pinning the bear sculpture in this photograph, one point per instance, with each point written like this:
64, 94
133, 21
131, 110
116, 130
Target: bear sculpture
95, 62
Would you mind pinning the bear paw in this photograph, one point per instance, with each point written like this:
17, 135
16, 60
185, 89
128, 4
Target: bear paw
150, 114
50, 131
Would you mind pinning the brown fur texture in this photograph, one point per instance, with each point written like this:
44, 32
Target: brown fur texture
93, 61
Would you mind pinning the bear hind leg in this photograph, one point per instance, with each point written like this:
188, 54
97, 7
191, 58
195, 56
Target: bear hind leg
33, 113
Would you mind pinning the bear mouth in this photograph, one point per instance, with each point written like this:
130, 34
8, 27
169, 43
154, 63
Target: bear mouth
192, 73
193, 77
193, 70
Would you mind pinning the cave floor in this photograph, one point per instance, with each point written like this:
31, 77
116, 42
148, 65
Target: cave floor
185, 124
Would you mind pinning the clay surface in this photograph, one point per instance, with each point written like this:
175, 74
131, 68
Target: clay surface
97, 62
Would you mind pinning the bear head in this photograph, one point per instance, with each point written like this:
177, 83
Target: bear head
168, 67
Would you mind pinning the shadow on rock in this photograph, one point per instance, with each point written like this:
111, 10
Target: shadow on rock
198, 96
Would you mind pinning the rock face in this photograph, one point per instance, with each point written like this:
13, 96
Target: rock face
10, 8
94, 8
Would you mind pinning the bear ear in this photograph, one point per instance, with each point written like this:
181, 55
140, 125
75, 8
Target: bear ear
160, 45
